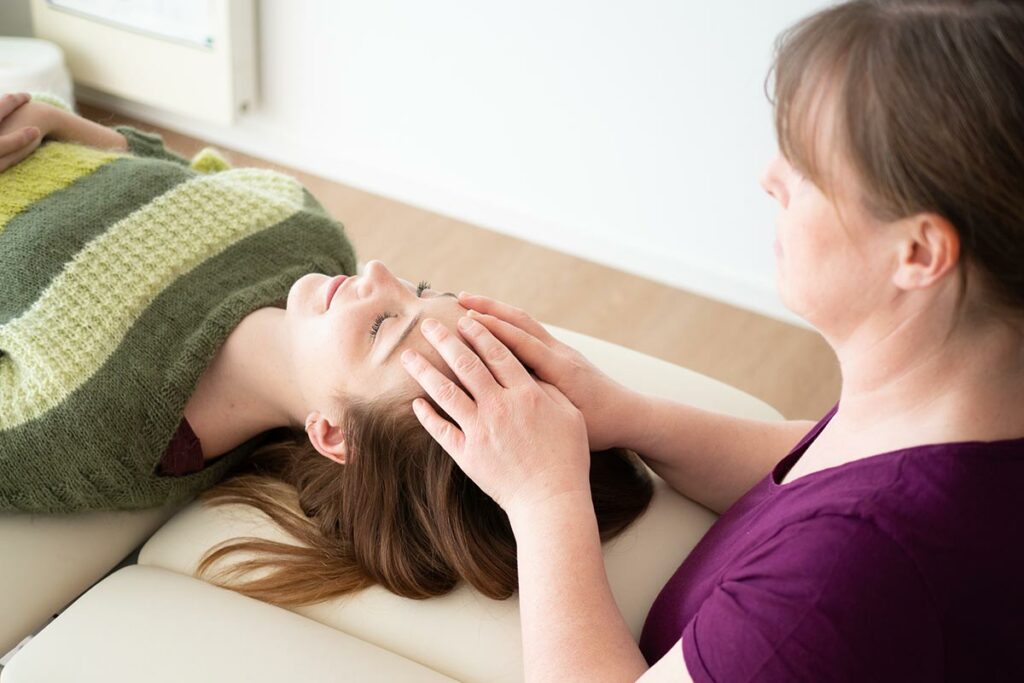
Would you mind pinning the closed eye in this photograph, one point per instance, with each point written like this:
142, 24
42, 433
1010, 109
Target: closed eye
375, 327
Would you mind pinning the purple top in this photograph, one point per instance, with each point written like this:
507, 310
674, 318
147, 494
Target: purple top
901, 566
184, 455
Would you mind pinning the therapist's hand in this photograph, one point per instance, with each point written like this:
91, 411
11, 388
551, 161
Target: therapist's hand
20, 130
519, 439
607, 406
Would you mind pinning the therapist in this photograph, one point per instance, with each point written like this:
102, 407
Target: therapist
884, 545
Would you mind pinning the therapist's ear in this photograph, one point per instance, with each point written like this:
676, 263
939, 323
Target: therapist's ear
928, 249
328, 439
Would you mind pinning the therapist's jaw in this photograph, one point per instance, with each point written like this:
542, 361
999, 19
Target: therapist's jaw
353, 346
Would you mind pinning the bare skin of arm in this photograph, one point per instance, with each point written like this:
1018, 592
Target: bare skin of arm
55, 123
709, 457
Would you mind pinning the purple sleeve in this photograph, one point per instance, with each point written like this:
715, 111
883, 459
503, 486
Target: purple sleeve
831, 598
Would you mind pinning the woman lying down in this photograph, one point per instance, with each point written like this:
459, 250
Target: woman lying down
167, 323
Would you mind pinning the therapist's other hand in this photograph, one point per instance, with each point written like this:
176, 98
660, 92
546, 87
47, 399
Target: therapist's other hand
23, 125
605, 403
519, 439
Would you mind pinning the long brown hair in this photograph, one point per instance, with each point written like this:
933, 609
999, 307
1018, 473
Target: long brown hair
929, 111
399, 513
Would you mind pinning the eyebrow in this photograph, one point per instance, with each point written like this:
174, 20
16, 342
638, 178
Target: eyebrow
408, 329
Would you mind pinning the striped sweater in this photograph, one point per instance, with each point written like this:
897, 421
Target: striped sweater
121, 274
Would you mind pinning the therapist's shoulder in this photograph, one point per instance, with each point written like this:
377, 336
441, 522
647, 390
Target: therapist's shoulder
671, 668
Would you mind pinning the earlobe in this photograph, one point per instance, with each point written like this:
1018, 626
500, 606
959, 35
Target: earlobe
328, 439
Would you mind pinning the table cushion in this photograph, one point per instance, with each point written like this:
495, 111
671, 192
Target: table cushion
464, 634
149, 624
49, 560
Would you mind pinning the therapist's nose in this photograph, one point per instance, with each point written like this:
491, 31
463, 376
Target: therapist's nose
771, 180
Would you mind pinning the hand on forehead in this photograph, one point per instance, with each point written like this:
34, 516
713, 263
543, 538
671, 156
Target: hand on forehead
447, 311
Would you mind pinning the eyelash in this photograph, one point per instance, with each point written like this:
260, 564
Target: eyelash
384, 316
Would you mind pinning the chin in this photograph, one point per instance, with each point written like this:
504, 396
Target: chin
288, 297
293, 292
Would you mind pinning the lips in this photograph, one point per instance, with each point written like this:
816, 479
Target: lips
332, 287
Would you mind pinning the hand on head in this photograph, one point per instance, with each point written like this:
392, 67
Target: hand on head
598, 396
523, 440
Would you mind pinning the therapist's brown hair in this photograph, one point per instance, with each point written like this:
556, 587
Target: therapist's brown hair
928, 101
399, 513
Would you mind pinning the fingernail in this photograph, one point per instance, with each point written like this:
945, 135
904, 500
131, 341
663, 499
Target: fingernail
408, 355
430, 325
462, 294
466, 324
473, 313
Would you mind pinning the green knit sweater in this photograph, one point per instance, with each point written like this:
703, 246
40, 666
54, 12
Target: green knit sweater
121, 274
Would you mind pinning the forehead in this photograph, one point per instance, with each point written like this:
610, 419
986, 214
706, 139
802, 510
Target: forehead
445, 310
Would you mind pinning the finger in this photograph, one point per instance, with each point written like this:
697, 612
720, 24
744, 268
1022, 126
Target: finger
11, 101
446, 393
16, 139
11, 154
450, 437
463, 361
505, 367
534, 353
506, 312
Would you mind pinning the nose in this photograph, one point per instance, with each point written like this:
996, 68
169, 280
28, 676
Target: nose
375, 276
771, 182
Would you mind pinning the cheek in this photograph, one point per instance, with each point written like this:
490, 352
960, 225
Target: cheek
322, 351
810, 236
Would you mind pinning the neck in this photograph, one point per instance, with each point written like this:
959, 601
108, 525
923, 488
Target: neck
907, 368
247, 388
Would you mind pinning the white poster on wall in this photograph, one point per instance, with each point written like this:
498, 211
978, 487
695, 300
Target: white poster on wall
187, 21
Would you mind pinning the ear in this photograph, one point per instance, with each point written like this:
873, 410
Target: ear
929, 248
327, 438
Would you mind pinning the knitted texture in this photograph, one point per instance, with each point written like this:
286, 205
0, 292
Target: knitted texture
122, 275
51, 98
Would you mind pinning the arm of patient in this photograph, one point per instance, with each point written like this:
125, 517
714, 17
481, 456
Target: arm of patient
73, 128
57, 124
711, 458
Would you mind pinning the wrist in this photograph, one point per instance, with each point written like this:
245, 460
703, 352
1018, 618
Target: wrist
636, 419
70, 127
537, 516
55, 122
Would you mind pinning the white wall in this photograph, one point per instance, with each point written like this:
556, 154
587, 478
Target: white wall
629, 133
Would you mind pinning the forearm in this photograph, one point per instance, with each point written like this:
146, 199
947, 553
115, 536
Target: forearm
572, 629
709, 457
69, 127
